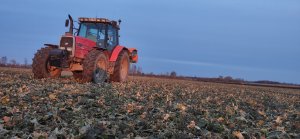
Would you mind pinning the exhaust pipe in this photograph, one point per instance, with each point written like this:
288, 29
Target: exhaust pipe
71, 24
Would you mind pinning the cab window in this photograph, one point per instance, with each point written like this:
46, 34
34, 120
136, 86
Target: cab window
112, 37
82, 31
95, 32
101, 37
92, 33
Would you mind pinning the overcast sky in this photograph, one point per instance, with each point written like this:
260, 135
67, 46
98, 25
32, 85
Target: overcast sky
249, 39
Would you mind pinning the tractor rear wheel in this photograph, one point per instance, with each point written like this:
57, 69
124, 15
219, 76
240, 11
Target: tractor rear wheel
121, 68
41, 67
95, 67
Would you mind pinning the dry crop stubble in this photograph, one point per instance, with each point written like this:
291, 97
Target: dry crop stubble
143, 107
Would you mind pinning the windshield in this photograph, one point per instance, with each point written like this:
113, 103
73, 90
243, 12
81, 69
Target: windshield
93, 31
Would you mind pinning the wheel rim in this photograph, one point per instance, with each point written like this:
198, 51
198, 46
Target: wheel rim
99, 75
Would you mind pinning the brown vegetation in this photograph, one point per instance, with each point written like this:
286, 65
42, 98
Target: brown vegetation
143, 107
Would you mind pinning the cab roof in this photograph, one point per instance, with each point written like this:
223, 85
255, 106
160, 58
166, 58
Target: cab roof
98, 20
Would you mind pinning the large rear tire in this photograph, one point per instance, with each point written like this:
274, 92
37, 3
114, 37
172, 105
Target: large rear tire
41, 67
95, 67
121, 68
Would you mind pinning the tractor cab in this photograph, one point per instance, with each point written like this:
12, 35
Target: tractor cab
102, 31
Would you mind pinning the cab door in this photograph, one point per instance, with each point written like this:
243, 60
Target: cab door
112, 37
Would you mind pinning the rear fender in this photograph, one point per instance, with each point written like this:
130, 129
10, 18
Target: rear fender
115, 53
132, 52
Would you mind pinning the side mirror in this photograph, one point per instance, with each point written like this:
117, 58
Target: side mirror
67, 23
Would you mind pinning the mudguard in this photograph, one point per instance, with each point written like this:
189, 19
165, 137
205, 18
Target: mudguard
115, 53
131, 51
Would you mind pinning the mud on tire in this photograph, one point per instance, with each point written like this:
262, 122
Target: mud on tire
95, 67
41, 67
121, 68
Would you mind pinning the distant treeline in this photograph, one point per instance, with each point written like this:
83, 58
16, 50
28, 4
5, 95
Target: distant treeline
137, 71
4, 62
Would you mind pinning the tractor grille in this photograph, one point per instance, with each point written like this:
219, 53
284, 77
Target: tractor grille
66, 42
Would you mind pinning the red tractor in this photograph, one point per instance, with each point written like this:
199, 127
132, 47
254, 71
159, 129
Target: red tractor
92, 53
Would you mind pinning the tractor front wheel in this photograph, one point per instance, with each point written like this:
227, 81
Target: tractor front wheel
95, 67
41, 67
121, 68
